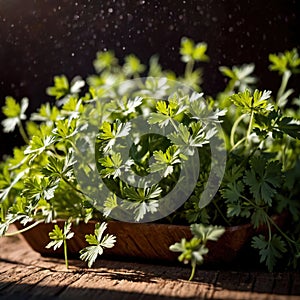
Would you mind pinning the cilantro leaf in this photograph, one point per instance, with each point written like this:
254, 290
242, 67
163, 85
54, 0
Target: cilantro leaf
14, 112
133, 66
240, 76
58, 236
164, 162
263, 178
282, 62
190, 51
61, 87
111, 165
248, 103
98, 243
207, 233
269, 250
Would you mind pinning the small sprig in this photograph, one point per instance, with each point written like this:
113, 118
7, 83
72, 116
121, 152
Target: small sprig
15, 114
60, 238
194, 250
97, 244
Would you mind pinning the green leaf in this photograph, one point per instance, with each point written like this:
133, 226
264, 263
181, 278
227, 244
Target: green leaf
282, 62
248, 103
98, 244
263, 178
39, 144
133, 65
36, 188
164, 162
111, 165
199, 53
189, 142
110, 132
189, 51
207, 233
167, 111
199, 110
232, 194
46, 113
14, 112
65, 129
269, 250
61, 87
60, 168
105, 60
259, 217
109, 204
240, 76
58, 236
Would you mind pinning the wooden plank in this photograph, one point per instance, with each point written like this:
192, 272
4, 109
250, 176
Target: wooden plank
5, 266
231, 285
27, 283
54, 284
24, 271
88, 286
282, 284
264, 282
14, 275
295, 288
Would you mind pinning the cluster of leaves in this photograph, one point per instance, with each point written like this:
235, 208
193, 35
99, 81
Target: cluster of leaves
192, 251
261, 131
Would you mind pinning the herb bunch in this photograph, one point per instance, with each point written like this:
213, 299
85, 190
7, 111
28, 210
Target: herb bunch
261, 132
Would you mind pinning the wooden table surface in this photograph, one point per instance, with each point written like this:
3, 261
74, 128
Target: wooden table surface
24, 274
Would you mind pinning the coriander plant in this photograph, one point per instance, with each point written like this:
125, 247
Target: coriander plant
246, 139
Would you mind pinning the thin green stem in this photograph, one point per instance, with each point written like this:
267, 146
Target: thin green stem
238, 143
24, 229
193, 270
230, 87
174, 125
23, 133
233, 129
285, 78
269, 231
221, 214
66, 253
250, 126
280, 231
72, 186
189, 67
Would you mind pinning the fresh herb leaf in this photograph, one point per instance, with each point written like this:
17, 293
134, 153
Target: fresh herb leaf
97, 243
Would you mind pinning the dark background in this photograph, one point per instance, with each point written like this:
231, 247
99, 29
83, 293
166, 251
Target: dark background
43, 38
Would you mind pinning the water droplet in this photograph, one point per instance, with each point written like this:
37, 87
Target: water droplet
129, 17
110, 10
230, 29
